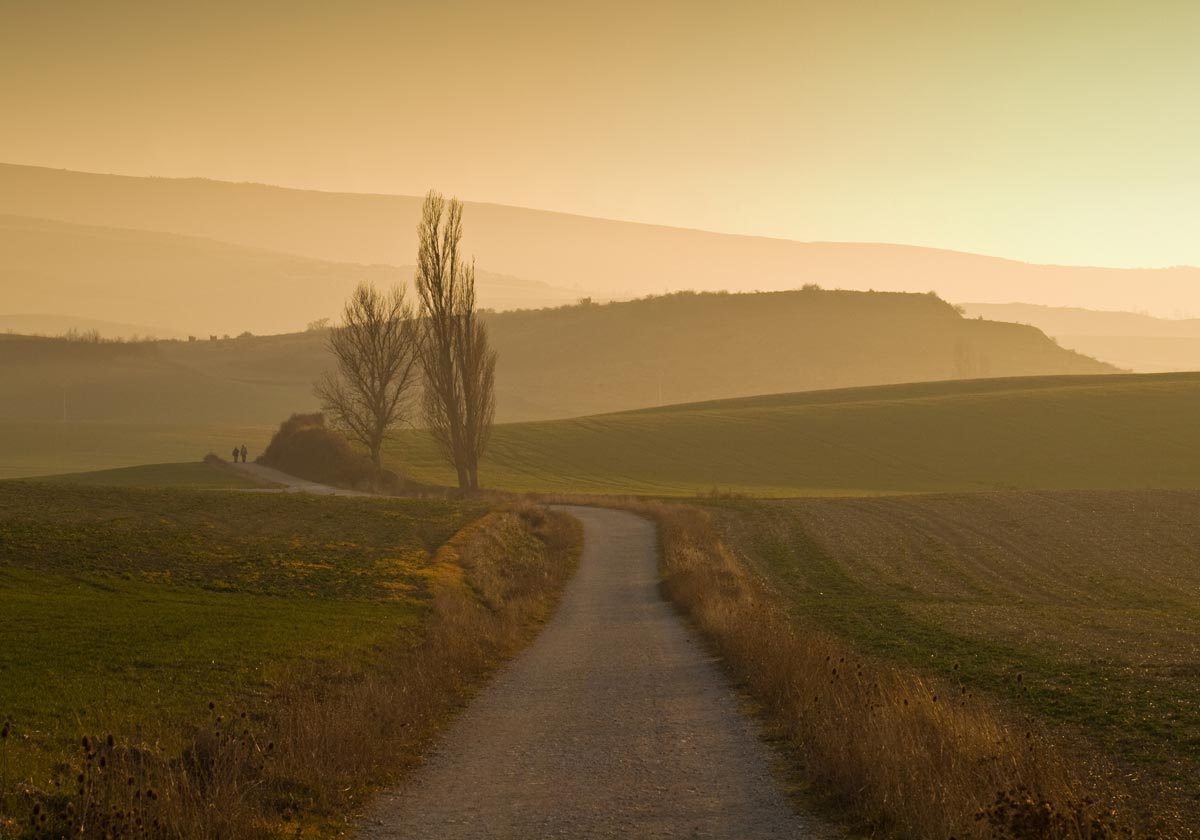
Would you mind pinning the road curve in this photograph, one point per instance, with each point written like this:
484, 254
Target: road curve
612, 723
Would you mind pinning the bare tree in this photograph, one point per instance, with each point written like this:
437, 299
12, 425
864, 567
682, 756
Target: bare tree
477, 372
376, 349
458, 363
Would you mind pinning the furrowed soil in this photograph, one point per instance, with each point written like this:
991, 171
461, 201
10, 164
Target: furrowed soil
1078, 609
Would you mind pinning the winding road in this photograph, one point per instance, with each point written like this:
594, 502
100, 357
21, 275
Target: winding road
614, 722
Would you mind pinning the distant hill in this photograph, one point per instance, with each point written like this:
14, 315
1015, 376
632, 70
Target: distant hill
1130, 340
589, 256
687, 347
1076, 321
193, 285
569, 361
1101, 432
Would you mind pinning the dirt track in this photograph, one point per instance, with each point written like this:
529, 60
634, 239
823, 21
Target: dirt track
284, 483
613, 723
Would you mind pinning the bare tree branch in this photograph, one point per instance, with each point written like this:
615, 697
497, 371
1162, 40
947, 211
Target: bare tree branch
376, 349
457, 361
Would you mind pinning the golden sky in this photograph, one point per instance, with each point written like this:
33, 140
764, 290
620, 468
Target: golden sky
1049, 131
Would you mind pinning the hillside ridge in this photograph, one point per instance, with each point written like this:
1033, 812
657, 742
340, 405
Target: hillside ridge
569, 361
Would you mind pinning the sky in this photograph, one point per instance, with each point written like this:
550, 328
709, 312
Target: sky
1061, 132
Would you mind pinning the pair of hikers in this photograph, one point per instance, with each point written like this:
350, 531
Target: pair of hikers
241, 452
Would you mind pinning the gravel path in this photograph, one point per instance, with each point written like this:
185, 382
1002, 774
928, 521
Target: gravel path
289, 483
612, 723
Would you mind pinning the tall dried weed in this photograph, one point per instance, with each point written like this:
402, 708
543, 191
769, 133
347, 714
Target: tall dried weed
908, 755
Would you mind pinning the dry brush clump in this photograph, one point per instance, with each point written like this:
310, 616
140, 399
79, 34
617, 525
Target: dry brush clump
113, 789
304, 446
323, 741
495, 581
909, 755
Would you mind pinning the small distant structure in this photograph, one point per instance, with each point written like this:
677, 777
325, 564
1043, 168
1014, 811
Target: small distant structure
191, 338
212, 338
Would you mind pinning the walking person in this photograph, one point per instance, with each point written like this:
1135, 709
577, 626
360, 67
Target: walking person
243, 453
235, 454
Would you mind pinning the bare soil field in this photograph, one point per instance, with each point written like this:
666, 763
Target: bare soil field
1077, 609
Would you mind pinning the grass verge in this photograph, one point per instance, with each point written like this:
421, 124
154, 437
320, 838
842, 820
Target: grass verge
1074, 608
907, 753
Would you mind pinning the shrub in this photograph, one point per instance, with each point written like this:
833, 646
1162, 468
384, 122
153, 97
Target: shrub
305, 447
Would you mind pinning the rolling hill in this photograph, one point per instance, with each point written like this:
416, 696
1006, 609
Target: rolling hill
569, 361
1130, 340
589, 256
1040, 433
1091, 432
689, 347
187, 284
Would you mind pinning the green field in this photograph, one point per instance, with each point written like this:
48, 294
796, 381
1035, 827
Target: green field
1076, 608
37, 449
1105, 432
129, 610
195, 475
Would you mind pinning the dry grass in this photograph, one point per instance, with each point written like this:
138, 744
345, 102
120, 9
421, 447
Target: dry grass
1075, 608
302, 765
907, 755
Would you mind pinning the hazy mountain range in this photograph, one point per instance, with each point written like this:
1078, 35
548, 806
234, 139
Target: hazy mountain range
179, 284
1130, 340
574, 255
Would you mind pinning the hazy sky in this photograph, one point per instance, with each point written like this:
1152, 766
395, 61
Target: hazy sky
1049, 131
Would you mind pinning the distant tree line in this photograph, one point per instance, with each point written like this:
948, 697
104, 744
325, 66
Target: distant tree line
93, 336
